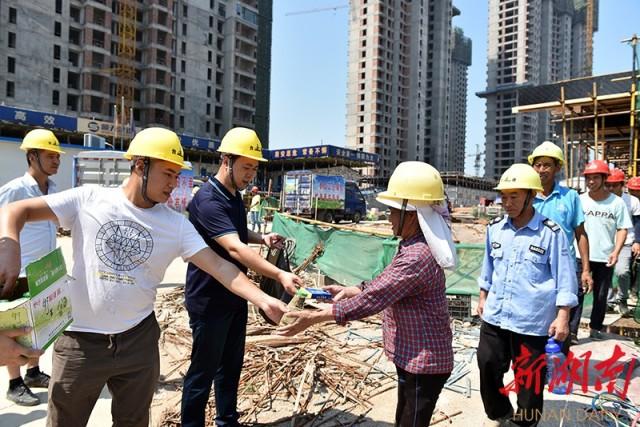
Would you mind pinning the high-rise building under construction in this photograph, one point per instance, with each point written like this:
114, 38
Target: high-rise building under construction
399, 93
531, 42
199, 67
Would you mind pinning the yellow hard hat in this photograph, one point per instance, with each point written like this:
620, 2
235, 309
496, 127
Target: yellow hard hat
415, 182
41, 139
520, 176
242, 142
547, 149
157, 143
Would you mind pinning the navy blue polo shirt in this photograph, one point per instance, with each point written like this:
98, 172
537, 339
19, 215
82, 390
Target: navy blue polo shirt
214, 212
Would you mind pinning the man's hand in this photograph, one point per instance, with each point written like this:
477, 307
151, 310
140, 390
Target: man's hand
290, 281
273, 240
559, 328
612, 259
342, 292
9, 265
273, 308
12, 353
481, 301
635, 249
586, 281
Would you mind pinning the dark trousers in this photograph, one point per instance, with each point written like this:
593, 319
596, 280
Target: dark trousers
602, 276
217, 356
496, 350
417, 397
83, 362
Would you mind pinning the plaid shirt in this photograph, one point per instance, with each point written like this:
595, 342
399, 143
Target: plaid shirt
411, 291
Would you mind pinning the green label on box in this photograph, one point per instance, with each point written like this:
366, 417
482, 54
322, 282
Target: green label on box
45, 271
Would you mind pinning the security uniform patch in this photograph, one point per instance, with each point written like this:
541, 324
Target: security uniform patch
537, 249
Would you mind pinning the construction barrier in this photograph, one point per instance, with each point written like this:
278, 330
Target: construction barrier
351, 257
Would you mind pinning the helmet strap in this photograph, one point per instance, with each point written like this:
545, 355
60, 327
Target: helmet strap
145, 181
230, 172
403, 211
36, 153
526, 202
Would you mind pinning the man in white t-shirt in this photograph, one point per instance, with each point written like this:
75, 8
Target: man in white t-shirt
606, 223
123, 241
36, 239
622, 270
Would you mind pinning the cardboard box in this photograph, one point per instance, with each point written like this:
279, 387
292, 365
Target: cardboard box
41, 301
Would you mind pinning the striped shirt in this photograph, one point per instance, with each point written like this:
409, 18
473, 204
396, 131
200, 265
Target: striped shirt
411, 291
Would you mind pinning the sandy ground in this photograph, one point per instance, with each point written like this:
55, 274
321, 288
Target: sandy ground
469, 410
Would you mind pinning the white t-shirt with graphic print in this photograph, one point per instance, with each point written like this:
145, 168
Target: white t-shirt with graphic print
120, 254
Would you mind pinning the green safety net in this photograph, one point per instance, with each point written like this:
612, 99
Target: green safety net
351, 257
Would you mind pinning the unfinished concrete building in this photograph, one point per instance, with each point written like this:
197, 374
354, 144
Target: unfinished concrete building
195, 66
531, 42
398, 82
460, 62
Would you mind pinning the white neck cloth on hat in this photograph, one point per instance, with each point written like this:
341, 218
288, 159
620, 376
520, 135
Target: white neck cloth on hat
435, 229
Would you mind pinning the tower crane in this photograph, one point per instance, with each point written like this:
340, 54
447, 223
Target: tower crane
320, 9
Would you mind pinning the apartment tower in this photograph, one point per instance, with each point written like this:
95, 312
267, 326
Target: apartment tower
531, 42
196, 66
400, 67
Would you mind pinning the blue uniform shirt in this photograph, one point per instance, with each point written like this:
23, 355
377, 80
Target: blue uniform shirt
563, 207
527, 273
214, 212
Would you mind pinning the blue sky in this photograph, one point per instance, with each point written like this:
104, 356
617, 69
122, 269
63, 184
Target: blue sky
309, 66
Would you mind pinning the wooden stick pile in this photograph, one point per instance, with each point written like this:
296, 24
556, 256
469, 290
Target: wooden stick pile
298, 379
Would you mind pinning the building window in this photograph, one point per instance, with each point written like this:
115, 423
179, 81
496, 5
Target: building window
184, 29
11, 42
11, 65
11, 90
208, 123
56, 51
208, 91
211, 22
57, 29
13, 15
55, 98
183, 66
182, 103
208, 109
59, 7
182, 85
183, 48
185, 11
56, 75
210, 56
181, 125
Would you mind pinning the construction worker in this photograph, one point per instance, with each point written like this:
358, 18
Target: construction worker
410, 291
123, 240
36, 239
217, 317
527, 288
606, 222
562, 206
622, 269
633, 185
254, 209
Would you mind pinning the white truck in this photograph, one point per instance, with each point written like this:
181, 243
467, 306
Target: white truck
108, 168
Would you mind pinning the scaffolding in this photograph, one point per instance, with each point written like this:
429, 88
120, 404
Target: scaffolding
596, 118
